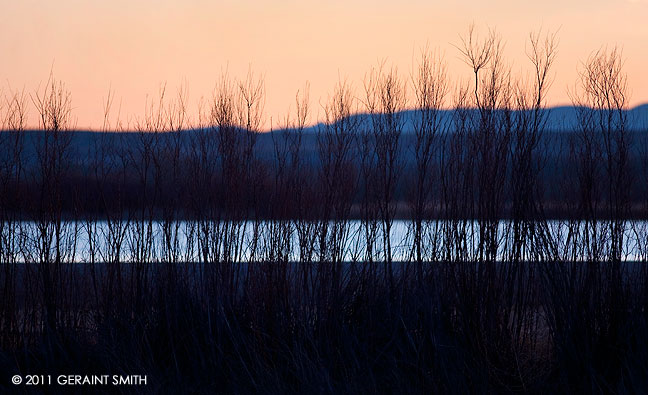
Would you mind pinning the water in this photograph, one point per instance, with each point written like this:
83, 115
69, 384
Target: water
198, 241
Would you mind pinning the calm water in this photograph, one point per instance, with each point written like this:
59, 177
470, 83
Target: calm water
188, 241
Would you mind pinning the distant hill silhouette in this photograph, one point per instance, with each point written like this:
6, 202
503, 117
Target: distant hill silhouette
562, 118
559, 120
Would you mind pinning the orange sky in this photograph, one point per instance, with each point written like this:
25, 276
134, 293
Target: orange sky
135, 46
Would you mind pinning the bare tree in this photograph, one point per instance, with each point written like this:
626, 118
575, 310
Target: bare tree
456, 176
250, 112
601, 99
54, 241
110, 171
169, 170
430, 87
529, 234
337, 181
492, 126
385, 100
12, 124
287, 190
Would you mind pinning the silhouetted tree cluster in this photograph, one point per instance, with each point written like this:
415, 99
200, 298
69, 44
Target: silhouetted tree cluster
420, 236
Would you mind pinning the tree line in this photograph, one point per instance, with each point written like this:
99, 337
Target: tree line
283, 258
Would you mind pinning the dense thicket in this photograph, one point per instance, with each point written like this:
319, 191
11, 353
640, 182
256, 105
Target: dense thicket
273, 262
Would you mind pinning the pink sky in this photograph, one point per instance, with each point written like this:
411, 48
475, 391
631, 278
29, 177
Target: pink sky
135, 46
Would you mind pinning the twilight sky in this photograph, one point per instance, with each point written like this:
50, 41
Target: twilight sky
135, 46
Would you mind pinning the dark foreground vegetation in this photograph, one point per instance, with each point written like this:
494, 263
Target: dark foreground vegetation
453, 327
211, 267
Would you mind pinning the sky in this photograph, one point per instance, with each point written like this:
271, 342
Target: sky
134, 47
